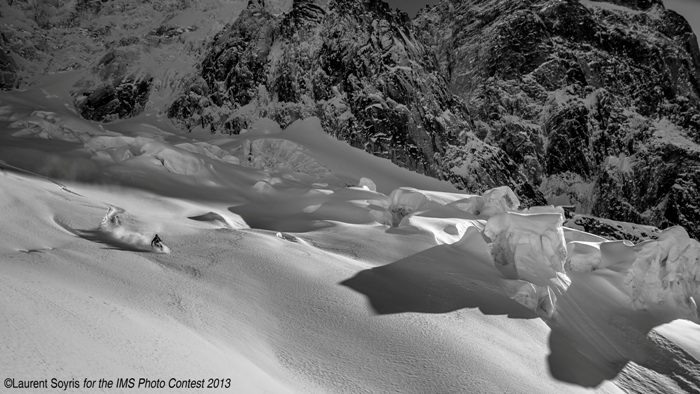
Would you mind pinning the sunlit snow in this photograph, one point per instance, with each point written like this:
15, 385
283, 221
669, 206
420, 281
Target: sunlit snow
296, 263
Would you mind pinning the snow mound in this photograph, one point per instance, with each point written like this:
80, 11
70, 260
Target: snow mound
445, 230
492, 202
499, 200
287, 237
174, 160
208, 150
367, 184
666, 272
110, 150
48, 125
586, 256
115, 150
530, 248
281, 156
407, 200
583, 256
214, 218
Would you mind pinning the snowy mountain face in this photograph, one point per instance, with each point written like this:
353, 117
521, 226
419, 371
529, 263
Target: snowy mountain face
359, 67
129, 55
596, 102
590, 104
582, 103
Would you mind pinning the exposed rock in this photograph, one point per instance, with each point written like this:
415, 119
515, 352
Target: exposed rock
635, 4
612, 230
357, 66
579, 93
109, 102
117, 94
8, 71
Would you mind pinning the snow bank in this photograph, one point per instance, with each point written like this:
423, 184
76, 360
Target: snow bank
445, 230
114, 150
583, 256
174, 160
407, 200
492, 202
49, 125
666, 272
110, 150
208, 150
586, 256
663, 275
281, 156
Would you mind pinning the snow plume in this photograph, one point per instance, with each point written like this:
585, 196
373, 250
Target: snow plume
111, 231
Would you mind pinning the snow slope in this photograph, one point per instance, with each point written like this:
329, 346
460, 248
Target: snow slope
283, 282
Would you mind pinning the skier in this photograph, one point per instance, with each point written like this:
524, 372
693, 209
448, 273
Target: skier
157, 242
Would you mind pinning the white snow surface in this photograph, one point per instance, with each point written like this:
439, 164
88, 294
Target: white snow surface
302, 283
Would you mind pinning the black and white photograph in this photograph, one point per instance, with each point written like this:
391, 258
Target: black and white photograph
350, 196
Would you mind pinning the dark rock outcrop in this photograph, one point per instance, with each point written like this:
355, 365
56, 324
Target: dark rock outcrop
8, 71
116, 93
125, 99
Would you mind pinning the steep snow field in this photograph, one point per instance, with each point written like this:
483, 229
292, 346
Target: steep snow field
318, 281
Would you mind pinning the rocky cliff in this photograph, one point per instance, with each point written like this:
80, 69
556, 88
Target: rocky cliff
597, 102
359, 67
